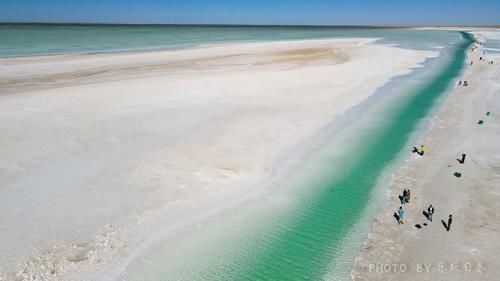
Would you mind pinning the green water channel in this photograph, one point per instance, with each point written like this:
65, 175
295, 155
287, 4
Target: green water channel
303, 231
306, 249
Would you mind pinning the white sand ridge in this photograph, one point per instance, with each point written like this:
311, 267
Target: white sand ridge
158, 136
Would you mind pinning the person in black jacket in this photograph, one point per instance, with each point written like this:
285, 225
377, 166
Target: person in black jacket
430, 212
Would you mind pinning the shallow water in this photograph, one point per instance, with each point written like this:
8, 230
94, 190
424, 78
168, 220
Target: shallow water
310, 226
311, 243
38, 39
492, 46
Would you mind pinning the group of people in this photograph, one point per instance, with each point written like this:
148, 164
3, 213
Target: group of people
400, 215
405, 199
489, 62
406, 196
430, 212
481, 58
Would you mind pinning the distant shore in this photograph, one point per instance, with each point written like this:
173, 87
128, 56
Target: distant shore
102, 154
39, 39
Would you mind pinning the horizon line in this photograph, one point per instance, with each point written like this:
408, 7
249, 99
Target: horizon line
250, 24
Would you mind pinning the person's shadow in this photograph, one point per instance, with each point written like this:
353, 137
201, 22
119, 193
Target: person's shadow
396, 216
415, 150
445, 225
426, 215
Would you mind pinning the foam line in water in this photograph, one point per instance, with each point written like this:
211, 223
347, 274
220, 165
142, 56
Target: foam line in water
297, 233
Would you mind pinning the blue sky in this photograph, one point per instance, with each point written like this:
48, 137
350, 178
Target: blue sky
353, 12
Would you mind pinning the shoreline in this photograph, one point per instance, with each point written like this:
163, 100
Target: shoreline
169, 49
393, 252
107, 129
267, 270
27, 73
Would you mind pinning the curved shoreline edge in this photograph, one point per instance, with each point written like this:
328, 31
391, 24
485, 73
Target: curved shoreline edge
453, 131
86, 144
316, 229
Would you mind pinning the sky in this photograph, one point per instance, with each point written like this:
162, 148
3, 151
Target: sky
308, 12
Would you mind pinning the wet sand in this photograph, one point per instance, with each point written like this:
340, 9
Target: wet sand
415, 251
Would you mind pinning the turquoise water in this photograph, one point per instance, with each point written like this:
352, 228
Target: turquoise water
308, 246
38, 39
301, 231
492, 46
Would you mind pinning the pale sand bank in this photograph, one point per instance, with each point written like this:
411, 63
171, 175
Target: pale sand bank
18, 74
469, 251
97, 150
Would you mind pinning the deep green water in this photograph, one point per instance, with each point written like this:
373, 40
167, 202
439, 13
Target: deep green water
298, 234
304, 252
302, 231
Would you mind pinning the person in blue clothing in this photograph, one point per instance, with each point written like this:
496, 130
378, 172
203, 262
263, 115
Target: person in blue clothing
401, 214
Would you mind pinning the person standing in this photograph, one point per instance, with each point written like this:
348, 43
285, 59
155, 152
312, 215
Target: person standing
450, 219
401, 214
462, 161
408, 195
430, 212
